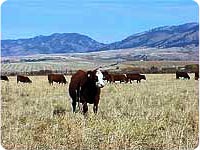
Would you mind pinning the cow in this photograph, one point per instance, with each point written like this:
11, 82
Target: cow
5, 78
196, 75
118, 77
180, 74
106, 76
85, 87
135, 76
59, 78
23, 79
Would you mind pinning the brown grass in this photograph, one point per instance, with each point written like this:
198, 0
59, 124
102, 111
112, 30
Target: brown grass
160, 113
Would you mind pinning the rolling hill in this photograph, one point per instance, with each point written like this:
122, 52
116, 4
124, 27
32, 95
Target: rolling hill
55, 43
161, 37
181, 36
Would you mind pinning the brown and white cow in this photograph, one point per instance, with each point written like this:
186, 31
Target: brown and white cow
85, 87
59, 78
23, 79
5, 78
135, 76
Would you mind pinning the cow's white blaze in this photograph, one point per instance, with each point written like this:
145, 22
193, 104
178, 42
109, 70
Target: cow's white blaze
100, 83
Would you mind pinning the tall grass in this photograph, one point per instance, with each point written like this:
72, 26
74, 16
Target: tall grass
160, 113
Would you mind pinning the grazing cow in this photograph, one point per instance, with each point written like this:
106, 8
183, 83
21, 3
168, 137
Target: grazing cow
23, 79
196, 75
135, 76
59, 78
85, 87
4, 78
118, 77
106, 76
182, 75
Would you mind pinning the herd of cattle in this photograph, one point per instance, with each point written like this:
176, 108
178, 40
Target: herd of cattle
109, 77
85, 87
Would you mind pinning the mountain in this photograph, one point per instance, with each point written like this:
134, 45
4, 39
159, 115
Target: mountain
182, 36
161, 37
55, 43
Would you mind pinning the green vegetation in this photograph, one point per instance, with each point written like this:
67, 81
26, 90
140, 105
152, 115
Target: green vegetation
160, 113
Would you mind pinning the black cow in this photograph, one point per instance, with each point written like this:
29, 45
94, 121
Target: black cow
85, 87
5, 78
181, 74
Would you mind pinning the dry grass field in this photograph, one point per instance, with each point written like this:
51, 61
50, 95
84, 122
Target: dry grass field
72, 64
159, 113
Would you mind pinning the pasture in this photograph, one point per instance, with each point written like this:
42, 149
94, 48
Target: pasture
159, 113
70, 64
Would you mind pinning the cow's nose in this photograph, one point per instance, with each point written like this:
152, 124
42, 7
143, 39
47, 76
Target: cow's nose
102, 84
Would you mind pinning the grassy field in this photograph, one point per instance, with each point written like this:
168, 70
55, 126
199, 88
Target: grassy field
159, 113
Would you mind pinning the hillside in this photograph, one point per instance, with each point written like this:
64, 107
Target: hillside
181, 36
186, 35
55, 43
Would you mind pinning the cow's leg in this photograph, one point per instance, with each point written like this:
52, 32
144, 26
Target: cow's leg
85, 108
95, 108
78, 98
73, 96
96, 102
74, 105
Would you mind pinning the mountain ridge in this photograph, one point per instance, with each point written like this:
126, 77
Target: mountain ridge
161, 37
185, 35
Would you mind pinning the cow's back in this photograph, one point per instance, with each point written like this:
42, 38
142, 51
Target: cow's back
77, 80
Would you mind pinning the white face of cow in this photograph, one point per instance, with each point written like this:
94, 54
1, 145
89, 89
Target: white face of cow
100, 82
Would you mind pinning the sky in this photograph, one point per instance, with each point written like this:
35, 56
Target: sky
105, 21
